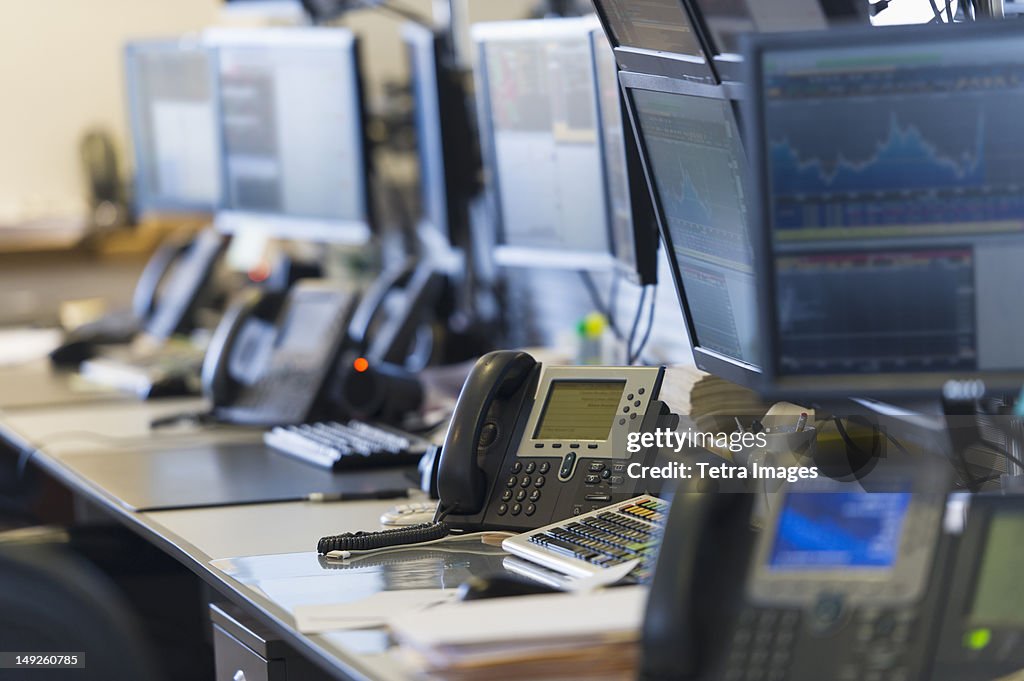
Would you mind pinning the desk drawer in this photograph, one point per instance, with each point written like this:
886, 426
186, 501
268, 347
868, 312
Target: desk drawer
236, 662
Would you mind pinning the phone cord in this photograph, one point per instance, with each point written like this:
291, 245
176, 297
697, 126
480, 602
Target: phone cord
368, 541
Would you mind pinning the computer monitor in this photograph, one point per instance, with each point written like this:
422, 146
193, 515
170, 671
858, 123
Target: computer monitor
538, 122
696, 168
447, 162
888, 198
722, 24
634, 229
293, 139
650, 36
172, 115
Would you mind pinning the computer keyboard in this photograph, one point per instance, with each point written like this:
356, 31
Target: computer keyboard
347, 446
584, 545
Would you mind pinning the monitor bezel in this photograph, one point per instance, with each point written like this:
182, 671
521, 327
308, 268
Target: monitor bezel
356, 232
144, 201
642, 269
775, 382
450, 120
730, 368
507, 255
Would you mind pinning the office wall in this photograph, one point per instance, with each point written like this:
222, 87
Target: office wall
60, 74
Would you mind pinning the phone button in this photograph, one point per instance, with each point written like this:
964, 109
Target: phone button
516, 467
598, 497
539, 482
544, 467
517, 509
526, 481
568, 465
511, 482
506, 495
530, 509
531, 467
502, 509
488, 434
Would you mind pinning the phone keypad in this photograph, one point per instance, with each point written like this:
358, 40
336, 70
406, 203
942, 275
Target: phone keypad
522, 489
762, 645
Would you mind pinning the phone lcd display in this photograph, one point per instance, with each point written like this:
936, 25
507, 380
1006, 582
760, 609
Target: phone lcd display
998, 597
835, 530
579, 410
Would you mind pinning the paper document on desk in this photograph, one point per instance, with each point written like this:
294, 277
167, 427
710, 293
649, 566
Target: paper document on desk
367, 613
18, 346
547, 635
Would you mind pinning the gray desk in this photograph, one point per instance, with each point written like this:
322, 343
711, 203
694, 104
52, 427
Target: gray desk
37, 384
201, 539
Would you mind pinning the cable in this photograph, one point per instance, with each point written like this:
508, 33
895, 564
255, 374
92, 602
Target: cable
357, 555
370, 541
636, 321
595, 298
647, 334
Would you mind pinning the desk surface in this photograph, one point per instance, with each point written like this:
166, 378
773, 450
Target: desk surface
261, 556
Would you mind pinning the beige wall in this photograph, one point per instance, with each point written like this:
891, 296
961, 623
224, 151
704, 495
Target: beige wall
61, 73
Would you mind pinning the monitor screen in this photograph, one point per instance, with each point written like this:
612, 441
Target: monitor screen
174, 126
893, 247
997, 597
292, 128
657, 25
538, 115
697, 168
579, 410
836, 530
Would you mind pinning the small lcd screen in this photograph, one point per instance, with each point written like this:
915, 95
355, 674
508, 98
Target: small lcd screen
826, 530
579, 410
998, 599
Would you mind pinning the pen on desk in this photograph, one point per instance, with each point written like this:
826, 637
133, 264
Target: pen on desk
801, 422
325, 497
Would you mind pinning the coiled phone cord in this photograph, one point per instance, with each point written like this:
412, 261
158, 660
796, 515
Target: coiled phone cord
369, 541
399, 536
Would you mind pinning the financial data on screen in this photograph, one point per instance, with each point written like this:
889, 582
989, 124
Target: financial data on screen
895, 205
698, 168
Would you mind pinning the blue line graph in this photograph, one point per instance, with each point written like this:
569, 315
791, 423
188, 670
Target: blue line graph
905, 160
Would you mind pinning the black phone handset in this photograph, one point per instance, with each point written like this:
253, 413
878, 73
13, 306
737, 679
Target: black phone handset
704, 555
219, 386
156, 270
174, 282
484, 419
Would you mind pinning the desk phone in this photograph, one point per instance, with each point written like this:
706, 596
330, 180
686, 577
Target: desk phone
841, 584
530, 444
271, 355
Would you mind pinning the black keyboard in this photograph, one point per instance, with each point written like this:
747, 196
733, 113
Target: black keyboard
585, 544
347, 446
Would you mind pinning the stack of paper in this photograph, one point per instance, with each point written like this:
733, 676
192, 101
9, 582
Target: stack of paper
551, 636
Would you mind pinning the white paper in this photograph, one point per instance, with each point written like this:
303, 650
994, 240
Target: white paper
18, 346
524, 619
605, 577
370, 612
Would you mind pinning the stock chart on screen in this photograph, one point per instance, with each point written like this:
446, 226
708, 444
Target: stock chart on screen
895, 178
863, 147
